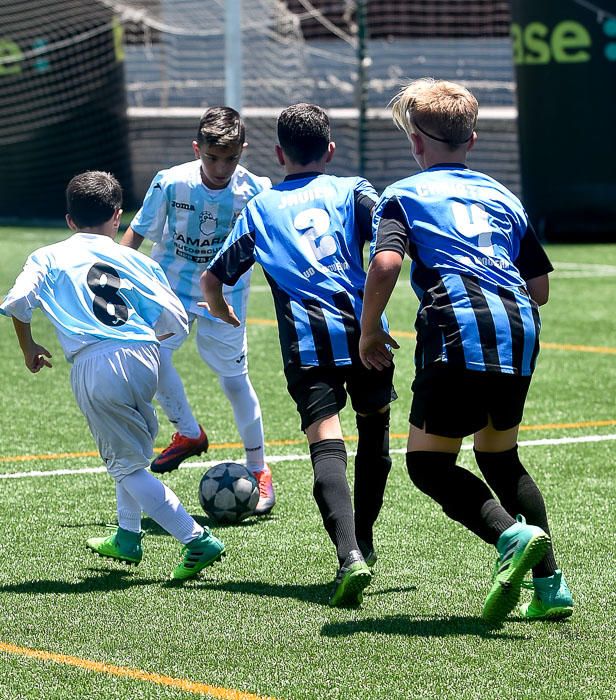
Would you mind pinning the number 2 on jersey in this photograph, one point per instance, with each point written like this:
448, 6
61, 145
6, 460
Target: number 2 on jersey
108, 306
314, 225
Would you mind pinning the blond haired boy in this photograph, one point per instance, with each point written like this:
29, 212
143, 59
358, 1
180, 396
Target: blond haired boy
480, 274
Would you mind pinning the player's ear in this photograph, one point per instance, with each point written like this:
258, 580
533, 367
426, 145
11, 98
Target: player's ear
331, 149
472, 141
117, 216
417, 144
70, 223
244, 145
195, 146
280, 155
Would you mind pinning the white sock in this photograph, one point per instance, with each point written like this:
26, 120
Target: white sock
162, 505
247, 412
172, 397
129, 511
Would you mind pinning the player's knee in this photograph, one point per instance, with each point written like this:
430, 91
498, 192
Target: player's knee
237, 385
427, 470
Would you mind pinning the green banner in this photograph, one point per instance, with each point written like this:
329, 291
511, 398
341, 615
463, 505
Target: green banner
565, 59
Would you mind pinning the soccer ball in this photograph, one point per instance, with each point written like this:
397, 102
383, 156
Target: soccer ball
228, 492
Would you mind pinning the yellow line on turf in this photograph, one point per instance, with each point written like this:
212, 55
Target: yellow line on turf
579, 348
408, 334
299, 441
136, 674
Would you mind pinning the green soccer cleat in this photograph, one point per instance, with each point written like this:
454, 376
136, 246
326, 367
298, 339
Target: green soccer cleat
520, 547
552, 599
123, 545
368, 553
353, 576
198, 554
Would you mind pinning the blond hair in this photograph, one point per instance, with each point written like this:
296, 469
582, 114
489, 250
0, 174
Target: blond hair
440, 110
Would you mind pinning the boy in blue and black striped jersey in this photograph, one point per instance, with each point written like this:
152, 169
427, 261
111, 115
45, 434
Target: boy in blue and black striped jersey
308, 233
479, 273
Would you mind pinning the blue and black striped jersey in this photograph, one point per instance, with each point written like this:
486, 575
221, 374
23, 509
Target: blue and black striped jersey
472, 249
307, 233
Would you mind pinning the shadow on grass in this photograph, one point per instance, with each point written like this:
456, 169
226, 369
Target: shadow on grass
101, 580
424, 626
317, 593
152, 528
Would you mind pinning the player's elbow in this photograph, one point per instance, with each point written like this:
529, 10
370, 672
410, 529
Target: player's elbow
539, 289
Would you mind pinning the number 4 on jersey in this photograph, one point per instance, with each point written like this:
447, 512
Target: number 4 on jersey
472, 220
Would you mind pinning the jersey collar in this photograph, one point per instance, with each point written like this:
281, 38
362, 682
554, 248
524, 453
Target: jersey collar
450, 166
301, 176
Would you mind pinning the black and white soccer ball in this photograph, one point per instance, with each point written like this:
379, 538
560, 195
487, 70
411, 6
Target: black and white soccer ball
228, 492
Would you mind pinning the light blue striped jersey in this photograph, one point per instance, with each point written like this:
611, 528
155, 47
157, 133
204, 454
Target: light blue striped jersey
93, 289
189, 222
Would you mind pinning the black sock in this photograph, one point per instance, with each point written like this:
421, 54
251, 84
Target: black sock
518, 493
462, 496
372, 467
332, 494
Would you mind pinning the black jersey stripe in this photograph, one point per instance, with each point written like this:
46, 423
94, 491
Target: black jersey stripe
287, 332
441, 316
320, 332
351, 325
537, 322
516, 327
485, 322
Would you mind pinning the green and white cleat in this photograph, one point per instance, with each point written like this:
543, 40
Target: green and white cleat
353, 576
520, 547
197, 555
122, 545
368, 553
552, 599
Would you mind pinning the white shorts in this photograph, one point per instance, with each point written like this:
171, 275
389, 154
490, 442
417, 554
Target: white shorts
221, 346
114, 386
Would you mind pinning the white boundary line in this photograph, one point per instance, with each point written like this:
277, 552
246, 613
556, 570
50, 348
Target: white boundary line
304, 456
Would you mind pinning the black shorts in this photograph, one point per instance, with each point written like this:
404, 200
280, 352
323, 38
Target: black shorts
456, 402
320, 392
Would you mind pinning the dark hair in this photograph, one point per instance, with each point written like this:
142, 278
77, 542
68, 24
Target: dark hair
303, 132
221, 126
92, 198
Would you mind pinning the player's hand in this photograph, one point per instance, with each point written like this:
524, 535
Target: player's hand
35, 358
223, 311
373, 350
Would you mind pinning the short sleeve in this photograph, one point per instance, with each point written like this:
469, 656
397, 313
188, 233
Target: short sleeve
532, 260
23, 297
149, 221
390, 227
237, 254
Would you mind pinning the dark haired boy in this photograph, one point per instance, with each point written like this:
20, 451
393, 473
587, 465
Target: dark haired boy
109, 306
308, 233
188, 212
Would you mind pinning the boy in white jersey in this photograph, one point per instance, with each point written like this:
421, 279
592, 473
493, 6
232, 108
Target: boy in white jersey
188, 212
110, 305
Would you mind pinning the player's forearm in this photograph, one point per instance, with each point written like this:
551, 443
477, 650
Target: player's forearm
211, 289
23, 331
382, 277
131, 239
